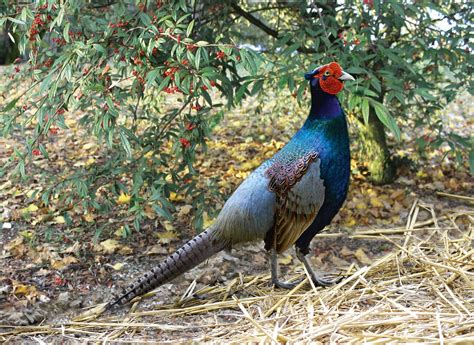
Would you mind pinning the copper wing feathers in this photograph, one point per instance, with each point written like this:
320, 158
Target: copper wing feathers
299, 193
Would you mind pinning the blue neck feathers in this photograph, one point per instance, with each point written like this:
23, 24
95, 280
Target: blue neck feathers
323, 105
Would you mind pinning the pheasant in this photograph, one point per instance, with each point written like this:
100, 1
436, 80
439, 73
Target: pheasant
286, 201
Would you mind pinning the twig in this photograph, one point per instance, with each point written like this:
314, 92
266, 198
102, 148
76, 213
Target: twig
454, 196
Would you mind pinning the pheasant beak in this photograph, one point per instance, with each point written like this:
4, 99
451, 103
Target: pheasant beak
346, 76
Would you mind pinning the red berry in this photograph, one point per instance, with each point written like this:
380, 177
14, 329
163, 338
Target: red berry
370, 3
185, 142
36, 152
220, 54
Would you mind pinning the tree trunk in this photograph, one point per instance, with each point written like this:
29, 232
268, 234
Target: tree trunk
8, 50
375, 150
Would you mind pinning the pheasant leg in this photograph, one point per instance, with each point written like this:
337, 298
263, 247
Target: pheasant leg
315, 277
274, 269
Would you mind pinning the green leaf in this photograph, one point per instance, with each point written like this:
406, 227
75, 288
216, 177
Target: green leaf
10, 105
365, 110
257, 86
66, 32
163, 84
16, 21
145, 19
471, 161
125, 144
384, 116
197, 58
189, 30
163, 212
151, 77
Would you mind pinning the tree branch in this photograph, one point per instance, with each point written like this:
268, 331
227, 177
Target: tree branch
265, 28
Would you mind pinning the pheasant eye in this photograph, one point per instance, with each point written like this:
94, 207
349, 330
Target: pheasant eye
327, 73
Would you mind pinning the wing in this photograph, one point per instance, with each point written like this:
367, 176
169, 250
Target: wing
299, 192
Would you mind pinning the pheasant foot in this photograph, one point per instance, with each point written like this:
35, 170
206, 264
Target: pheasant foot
315, 277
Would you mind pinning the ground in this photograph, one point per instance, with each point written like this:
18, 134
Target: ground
404, 251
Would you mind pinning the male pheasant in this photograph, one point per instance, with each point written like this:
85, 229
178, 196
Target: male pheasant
287, 200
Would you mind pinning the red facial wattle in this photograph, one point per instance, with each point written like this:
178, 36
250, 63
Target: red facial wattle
328, 78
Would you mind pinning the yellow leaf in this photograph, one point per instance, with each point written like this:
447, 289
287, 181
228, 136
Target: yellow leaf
20, 289
175, 197
120, 232
66, 261
118, 266
123, 199
89, 217
166, 237
362, 257
207, 220
59, 220
125, 250
350, 222
89, 162
31, 208
285, 260
109, 246
375, 202
89, 146
148, 155
168, 226
184, 211
27, 235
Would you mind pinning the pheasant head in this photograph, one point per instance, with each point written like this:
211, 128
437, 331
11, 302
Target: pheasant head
329, 78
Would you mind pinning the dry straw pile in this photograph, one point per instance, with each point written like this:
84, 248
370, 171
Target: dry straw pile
421, 292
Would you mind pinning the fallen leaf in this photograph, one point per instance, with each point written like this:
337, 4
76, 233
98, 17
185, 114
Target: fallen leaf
207, 220
66, 261
184, 211
59, 220
125, 250
362, 257
375, 202
285, 260
72, 249
16, 247
123, 199
117, 267
109, 246
166, 237
156, 249
89, 217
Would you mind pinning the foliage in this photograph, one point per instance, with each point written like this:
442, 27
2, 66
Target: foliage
119, 65
410, 58
148, 82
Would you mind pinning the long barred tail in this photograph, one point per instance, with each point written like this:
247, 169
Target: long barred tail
195, 251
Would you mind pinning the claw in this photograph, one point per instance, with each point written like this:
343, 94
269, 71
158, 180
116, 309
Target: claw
317, 280
284, 285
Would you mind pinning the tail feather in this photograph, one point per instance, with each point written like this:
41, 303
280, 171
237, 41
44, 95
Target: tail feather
195, 251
